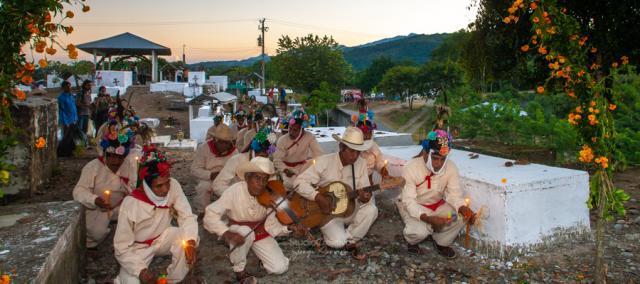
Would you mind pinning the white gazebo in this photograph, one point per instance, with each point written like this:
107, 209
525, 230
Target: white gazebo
126, 44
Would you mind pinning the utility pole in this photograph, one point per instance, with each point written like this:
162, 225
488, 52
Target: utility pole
184, 60
261, 43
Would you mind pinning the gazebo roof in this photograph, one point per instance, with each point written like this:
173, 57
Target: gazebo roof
124, 44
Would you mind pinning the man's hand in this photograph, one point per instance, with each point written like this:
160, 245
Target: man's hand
213, 175
384, 172
233, 239
324, 203
364, 196
298, 230
436, 222
101, 203
468, 214
289, 173
190, 252
147, 277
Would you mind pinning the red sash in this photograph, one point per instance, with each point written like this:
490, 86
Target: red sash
294, 164
434, 206
147, 242
214, 150
139, 194
297, 140
260, 232
426, 179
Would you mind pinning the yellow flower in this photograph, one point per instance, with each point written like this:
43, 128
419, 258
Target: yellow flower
504, 180
586, 154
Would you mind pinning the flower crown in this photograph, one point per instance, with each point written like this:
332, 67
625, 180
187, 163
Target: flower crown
364, 121
153, 163
265, 138
117, 141
438, 140
297, 117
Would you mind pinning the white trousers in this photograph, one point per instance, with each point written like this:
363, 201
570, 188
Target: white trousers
416, 230
336, 236
97, 224
267, 250
168, 242
203, 196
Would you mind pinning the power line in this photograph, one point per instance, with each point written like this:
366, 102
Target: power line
157, 23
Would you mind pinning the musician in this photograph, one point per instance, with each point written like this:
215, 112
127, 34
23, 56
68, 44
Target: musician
209, 159
239, 205
348, 167
432, 196
293, 149
145, 230
114, 171
373, 156
261, 146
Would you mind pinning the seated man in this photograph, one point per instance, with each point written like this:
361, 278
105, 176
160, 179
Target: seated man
145, 230
293, 149
432, 196
252, 130
209, 159
240, 135
373, 156
217, 120
240, 206
104, 182
261, 146
238, 122
345, 166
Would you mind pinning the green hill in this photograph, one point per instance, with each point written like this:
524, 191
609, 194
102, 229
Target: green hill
414, 47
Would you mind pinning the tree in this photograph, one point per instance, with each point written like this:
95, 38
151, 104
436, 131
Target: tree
402, 81
304, 62
321, 100
367, 79
436, 77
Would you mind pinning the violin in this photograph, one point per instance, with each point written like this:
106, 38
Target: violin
275, 196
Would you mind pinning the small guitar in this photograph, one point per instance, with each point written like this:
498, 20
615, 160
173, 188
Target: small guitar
343, 201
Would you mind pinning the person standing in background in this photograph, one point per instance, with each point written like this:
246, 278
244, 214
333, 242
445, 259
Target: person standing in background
83, 104
67, 112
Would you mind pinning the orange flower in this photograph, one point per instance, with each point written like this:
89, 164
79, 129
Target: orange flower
545, 14
29, 67
19, 94
554, 65
581, 73
47, 17
542, 50
533, 5
594, 66
51, 51
592, 103
592, 119
86, 8
603, 161
43, 63
73, 54
50, 27
561, 59
503, 180
524, 48
536, 19
612, 107
538, 31
71, 47
571, 94
70, 14
19, 74
594, 139
68, 29
614, 65
593, 50
583, 40
625, 60
533, 41
586, 154
40, 143
5, 279
540, 89
506, 20
572, 119
512, 9
27, 80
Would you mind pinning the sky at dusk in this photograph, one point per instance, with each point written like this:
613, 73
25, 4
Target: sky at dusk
224, 30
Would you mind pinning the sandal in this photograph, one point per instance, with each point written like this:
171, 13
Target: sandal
353, 248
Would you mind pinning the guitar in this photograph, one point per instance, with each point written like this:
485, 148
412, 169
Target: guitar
343, 201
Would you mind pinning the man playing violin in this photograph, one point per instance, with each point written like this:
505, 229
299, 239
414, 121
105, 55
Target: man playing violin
250, 225
432, 197
348, 167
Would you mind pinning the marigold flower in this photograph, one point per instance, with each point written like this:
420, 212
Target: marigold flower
86, 8
625, 60
70, 14
538, 31
512, 10
47, 17
73, 54
50, 27
590, 109
594, 139
506, 20
43, 63
540, 89
533, 5
561, 59
554, 65
71, 47
524, 48
40, 143
581, 73
29, 67
592, 103
51, 51
593, 50
536, 20
68, 29
614, 65
592, 119
571, 94
583, 40
572, 119
586, 154
19, 94
27, 80
612, 107
542, 50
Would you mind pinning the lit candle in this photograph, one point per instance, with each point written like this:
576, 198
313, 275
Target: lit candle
385, 162
314, 162
107, 200
467, 201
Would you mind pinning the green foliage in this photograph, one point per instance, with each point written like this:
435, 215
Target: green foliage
437, 76
321, 99
369, 78
400, 81
304, 62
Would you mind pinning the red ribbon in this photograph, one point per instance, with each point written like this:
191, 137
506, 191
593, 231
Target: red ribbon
427, 178
148, 242
297, 140
139, 194
260, 231
434, 206
214, 150
294, 164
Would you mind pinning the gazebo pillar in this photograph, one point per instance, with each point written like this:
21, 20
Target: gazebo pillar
154, 66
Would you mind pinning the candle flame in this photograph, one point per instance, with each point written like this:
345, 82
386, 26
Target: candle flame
107, 192
184, 243
314, 161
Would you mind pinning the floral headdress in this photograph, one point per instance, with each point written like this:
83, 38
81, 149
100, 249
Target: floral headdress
364, 121
439, 141
297, 117
153, 164
264, 139
117, 141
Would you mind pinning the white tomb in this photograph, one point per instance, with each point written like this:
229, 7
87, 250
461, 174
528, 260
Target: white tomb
221, 81
168, 86
382, 138
529, 205
54, 81
185, 144
114, 78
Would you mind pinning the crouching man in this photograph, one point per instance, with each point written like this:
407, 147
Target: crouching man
144, 229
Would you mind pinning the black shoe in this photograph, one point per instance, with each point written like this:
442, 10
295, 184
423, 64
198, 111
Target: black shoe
447, 252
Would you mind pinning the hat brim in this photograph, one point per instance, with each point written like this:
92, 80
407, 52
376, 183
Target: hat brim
366, 145
249, 167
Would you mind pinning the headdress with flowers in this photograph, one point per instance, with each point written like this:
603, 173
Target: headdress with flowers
439, 141
265, 139
153, 164
364, 121
117, 140
297, 117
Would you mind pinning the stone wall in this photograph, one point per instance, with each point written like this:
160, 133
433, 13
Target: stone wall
35, 117
43, 242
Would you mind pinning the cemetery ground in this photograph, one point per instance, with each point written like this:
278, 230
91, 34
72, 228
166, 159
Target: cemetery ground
387, 261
